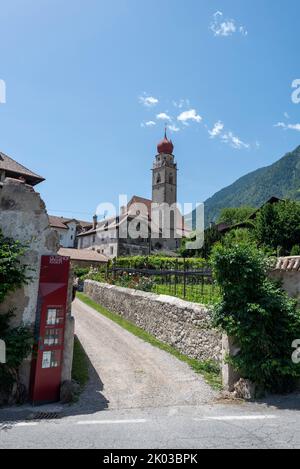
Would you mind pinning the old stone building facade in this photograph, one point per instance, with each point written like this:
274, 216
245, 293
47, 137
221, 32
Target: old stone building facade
68, 229
157, 224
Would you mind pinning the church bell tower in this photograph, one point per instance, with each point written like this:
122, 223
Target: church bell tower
164, 195
164, 179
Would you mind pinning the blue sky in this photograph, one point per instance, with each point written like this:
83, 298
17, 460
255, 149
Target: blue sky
79, 75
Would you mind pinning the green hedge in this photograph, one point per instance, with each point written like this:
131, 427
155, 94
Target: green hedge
158, 262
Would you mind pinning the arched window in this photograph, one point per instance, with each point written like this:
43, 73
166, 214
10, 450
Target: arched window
158, 179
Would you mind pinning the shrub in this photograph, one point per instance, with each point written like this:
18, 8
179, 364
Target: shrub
295, 251
18, 346
239, 235
260, 316
12, 272
234, 215
81, 272
278, 226
18, 340
159, 262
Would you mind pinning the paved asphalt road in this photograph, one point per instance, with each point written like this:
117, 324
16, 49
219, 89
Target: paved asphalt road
140, 397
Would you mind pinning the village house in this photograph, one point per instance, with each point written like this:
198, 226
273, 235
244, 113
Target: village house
68, 229
9, 168
83, 258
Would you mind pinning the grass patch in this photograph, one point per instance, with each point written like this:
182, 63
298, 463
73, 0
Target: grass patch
208, 368
80, 367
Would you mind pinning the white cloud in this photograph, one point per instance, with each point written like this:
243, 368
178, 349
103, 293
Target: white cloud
243, 31
226, 27
190, 115
163, 116
294, 127
217, 129
234, 142
148, 101
284, 126
148, 124
181, 103
173, 128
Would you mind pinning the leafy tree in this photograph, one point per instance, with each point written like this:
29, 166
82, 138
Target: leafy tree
295, 250
278, 226
211, 237
12, 272
239, 235
233, 216
260, 316
18, 340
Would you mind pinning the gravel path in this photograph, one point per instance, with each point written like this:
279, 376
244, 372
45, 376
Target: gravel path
128, 373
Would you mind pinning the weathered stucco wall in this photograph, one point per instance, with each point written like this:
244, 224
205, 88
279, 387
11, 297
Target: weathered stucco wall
184, 325
287, 271
23, 217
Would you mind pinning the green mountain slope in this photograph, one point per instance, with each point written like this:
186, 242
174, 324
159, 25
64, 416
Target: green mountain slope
281, 179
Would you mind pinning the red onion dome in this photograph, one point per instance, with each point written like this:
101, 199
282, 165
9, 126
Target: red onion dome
165, 146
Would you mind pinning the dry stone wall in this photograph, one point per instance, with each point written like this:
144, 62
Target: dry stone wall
184, 325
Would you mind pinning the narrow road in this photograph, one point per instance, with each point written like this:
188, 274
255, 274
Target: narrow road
141, 397
133, 374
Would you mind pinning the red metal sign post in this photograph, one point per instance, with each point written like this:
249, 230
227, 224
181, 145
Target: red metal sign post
50, 329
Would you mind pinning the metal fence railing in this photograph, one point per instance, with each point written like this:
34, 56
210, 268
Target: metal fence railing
195, 285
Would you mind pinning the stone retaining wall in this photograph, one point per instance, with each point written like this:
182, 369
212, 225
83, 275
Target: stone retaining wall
184, 325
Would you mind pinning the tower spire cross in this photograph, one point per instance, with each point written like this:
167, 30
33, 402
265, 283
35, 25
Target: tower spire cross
166, 127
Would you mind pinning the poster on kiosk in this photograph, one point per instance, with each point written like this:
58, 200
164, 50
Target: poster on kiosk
50, 329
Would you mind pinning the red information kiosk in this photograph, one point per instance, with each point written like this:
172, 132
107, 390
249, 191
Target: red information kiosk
50, 328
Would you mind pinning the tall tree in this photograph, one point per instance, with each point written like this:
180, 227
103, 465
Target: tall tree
235, 215
277, 226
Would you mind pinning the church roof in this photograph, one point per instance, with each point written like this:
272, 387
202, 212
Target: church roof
15, 170
140, 200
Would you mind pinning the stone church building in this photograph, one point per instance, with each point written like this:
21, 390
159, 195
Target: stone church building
144, 226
